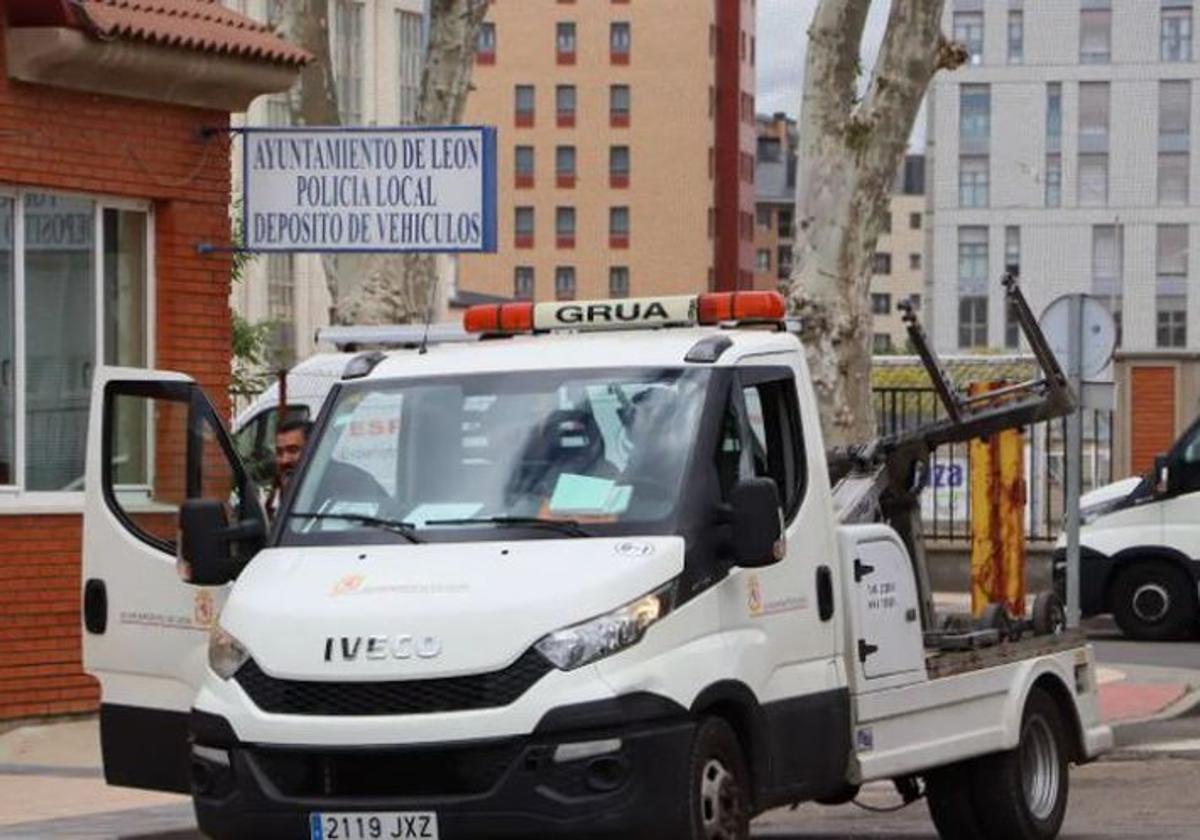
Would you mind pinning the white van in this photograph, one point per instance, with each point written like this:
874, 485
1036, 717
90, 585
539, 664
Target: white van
592, 585
1140, 547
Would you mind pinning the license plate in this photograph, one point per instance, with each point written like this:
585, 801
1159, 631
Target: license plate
374, 825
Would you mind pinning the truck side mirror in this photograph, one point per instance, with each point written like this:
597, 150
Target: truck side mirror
1162, 475
757, 523
206, 539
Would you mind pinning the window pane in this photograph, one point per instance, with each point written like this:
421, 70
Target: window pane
968, 31
348, 23
1093, 180
565, 38
1177, 35
59, 289
1016, 37
975, 105
1053, 180
524, 160
1174, 112
564, 160
1093, 115
410, 55
524, 98
618, 221
619, 99
1106, 260
973, 181
1173, 179
1095, 35
8, 362
618, 282
125, 288
564, 97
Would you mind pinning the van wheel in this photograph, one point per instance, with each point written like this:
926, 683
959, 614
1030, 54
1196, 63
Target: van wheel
1153, 601
718, 783
1023, 791
948, 795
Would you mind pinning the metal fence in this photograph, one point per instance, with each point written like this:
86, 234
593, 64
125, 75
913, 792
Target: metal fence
946, 501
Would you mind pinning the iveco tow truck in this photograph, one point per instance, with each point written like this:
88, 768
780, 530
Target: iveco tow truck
593, 575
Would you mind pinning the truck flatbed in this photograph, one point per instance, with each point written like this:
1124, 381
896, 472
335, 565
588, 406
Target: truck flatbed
948, 663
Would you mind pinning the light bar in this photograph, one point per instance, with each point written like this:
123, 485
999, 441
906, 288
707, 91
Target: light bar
626, 313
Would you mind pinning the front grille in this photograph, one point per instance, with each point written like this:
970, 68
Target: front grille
450, 771
396, 697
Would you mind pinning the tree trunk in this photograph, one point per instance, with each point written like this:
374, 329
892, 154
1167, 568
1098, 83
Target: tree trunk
385, 288
849, 154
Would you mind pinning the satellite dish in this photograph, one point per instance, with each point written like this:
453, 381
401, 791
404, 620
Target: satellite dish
1099, 338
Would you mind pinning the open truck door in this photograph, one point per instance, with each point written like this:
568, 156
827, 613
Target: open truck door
154, 443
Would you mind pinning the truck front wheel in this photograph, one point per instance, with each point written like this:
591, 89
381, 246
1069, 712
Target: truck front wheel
718, 783
1023, 792
1153, 601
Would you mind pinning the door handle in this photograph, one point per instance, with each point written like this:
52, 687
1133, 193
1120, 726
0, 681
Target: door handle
824, 593
95, 606
865, 649
861, 570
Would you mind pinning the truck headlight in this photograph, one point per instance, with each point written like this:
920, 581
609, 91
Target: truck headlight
225, 653
588, 641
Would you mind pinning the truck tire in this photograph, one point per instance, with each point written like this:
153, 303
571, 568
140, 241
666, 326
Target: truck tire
1154, 601
1023, 791
949, 798
718, 784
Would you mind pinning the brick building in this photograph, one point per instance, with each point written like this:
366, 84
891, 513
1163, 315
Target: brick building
114, 166
626, 147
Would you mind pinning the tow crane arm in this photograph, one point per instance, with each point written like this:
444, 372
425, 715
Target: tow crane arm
882, 480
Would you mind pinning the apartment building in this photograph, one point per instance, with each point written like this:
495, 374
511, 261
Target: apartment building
899, 270
1062, 152
627, 138
378, 54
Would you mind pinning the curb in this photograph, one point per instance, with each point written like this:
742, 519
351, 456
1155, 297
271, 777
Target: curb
1189, 701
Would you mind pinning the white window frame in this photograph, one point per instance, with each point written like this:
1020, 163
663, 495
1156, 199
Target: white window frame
14, 498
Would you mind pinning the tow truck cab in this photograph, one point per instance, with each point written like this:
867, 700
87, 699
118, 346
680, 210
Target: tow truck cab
552, 584
1140, 547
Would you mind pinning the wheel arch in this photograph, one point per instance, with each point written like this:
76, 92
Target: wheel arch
1052, 684
736, 704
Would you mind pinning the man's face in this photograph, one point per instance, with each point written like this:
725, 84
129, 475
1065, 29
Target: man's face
289, 447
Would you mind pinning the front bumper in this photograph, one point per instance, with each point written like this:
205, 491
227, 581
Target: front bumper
1095, 569
510, 787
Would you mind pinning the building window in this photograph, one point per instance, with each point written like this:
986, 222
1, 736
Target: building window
564, 227
618, 166
914, 221
764, 217
1107, 268
968, 31
1054, 180
523, 168
524, 105
1093, 180
762, 261
1093, 116
618, 282
564, 105
972, 287
564, 166
1177, 31
618, 106
881, 304
783, 262
410, 61
618, 227
1171, 285
564, 42
281, 300
620, 42
523, 282
52, 270
973, 181
1016, 36
1095, 36
564, 283
786, 230
1053, 117
524, 227
975, 119
881, 344
1174, 141
485, 44
348, 60
1012, 265
914, 262
881, 263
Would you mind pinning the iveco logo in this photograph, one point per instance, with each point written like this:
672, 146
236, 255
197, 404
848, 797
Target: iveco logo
351, 648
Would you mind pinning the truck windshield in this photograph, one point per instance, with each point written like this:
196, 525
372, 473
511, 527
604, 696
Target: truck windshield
460, 457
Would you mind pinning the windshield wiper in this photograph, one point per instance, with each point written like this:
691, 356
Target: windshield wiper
404, 529
563, 526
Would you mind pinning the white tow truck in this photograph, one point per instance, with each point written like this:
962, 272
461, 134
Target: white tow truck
598, 582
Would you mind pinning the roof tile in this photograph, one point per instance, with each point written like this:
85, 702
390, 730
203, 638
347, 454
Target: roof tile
203, 25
